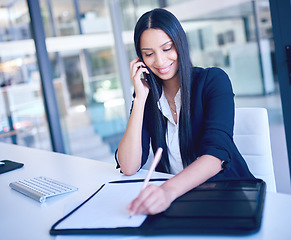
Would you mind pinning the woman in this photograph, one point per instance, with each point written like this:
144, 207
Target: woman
188, 111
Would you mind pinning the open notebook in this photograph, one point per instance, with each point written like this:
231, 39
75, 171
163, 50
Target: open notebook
223, 207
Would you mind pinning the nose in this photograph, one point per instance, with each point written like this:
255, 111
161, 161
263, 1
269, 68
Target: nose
160, 59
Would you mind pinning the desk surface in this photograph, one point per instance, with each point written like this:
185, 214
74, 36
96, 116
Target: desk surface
24, 218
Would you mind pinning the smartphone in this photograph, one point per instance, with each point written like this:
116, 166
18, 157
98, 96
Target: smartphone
144, 79
8, 165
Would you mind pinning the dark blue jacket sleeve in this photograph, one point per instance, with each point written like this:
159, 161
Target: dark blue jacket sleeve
218, 108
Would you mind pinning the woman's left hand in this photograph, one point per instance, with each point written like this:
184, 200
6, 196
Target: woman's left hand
152, 200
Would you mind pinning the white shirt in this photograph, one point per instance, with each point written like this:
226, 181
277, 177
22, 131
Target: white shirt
172, 134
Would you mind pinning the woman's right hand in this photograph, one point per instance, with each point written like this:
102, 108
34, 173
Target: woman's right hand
137, 67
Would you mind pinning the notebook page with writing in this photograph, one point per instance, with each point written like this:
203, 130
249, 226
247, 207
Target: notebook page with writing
107, 208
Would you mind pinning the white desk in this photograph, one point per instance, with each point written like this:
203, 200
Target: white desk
23, 218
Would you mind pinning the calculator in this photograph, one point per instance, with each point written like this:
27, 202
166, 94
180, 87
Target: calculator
41, 188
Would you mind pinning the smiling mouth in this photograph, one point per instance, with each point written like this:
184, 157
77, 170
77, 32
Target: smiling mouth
164, 70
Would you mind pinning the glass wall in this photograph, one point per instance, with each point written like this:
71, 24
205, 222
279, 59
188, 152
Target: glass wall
90, 99
229, 38
22, 116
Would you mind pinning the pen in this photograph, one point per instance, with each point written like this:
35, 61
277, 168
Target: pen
152, 168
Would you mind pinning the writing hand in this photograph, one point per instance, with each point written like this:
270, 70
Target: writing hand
152, 200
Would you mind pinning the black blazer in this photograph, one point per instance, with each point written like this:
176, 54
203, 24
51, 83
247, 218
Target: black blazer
212, 121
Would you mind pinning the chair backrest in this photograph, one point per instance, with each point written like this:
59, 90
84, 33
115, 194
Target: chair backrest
252, 138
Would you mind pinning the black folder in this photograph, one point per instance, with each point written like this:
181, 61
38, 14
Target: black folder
227, 207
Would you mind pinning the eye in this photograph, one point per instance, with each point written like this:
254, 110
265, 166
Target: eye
148, 54
168, 49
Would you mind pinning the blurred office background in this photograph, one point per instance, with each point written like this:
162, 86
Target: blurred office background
90, 42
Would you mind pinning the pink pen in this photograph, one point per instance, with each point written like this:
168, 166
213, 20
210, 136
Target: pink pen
155, 162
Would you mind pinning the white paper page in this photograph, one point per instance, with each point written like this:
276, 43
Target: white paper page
107, 209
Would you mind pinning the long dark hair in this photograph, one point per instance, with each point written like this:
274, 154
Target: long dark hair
166, 21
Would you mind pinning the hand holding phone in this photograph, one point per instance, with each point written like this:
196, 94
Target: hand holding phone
137, 71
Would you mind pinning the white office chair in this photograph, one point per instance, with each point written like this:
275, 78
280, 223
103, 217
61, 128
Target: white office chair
252, 138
